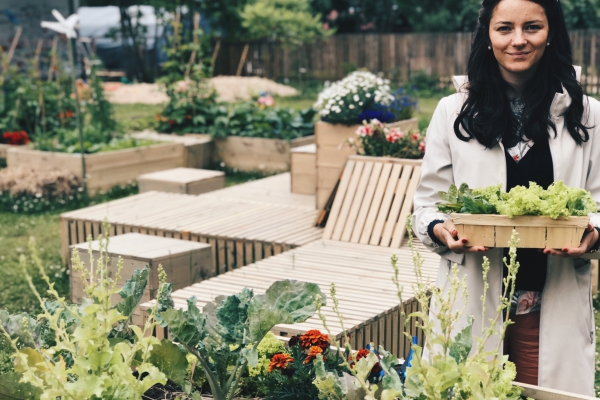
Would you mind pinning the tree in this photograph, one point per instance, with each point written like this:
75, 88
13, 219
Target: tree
581, 14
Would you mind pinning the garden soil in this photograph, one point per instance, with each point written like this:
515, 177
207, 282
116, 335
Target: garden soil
229, 88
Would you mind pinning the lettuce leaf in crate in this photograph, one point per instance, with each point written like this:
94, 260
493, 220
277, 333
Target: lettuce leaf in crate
465, 200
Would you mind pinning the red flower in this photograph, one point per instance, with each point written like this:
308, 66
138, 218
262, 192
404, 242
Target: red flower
171, 121
314, 338
187, 116
422, 146
280, 361
415, 136
313, 352
361, 354
67, 114
16, 138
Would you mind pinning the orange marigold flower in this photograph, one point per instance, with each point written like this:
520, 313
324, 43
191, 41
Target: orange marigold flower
313, 352
157, 117
314, 338
280, 361
357, 356
171, 121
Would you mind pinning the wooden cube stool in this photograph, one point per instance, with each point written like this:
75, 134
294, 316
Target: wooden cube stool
184, 262
304, 169
182, 180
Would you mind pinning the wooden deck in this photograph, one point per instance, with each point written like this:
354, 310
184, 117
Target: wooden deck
243, 223
363, 278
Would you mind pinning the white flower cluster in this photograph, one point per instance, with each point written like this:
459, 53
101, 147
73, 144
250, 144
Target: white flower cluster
353, 91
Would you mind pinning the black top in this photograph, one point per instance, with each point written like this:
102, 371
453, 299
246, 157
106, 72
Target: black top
536, 166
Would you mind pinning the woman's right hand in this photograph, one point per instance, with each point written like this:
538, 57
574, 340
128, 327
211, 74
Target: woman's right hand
446, 233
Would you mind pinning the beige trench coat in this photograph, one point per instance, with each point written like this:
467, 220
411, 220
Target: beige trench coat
567, 340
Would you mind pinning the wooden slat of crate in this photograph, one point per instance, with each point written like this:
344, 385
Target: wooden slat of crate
304, 169
541, 393
534, 231
362, 274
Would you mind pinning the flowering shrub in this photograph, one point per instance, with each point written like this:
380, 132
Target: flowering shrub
16, 138
378, 140
291, 371
363, 96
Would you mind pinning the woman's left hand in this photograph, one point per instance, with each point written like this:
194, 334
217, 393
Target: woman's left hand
589, 239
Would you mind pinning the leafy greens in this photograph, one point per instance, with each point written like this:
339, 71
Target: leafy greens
559, 200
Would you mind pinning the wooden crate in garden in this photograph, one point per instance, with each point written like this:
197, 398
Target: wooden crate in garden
257, 154
184, 262
534, 231
331, 158
198, 148
104, 170
304, 169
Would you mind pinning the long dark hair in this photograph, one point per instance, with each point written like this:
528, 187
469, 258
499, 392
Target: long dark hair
486, 114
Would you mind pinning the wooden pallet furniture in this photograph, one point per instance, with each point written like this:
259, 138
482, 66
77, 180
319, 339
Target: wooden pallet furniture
304, 169
373, 200
362, 274
331, 158
182, 180
184, 262
243, 224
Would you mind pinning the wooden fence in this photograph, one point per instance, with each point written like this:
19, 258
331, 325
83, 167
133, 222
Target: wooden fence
395, 55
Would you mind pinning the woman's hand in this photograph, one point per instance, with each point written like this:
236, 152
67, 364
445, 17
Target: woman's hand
447, 234
589, 239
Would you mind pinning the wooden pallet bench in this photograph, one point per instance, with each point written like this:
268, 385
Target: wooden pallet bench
363, 278
244, 223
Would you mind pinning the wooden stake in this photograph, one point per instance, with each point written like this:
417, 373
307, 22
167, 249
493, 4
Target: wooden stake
242, 59
215, 54
193, 56
13, 45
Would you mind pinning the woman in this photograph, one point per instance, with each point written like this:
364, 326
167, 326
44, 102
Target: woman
521, 116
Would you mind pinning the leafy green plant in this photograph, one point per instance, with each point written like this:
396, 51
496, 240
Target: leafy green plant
453, 368
227, 332
558, 201
88, 351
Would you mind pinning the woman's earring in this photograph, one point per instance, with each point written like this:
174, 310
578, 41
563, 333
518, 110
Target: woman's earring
547, 44
490, 47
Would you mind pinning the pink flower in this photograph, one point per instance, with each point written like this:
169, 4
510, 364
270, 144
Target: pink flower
526, 302
376, 122
364, 130
266, 101
394, 135
422, 146
415, 136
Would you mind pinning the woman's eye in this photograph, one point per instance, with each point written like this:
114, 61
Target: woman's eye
503, 29
533, 27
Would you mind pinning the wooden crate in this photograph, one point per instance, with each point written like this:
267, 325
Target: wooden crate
331, 159
252, 154
184, 262
367, 296
373, 200
104, 170
182, 180
198, 148
534, 231
304, 169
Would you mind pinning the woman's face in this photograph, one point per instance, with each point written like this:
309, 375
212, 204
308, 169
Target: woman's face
518, 35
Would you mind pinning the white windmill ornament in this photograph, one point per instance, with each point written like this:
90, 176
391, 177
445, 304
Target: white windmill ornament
64, 26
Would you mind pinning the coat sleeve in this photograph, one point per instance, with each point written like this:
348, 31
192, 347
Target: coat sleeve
593, 174
436, 175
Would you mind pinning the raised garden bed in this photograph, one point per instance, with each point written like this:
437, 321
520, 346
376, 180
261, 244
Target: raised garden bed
104, 170
251, 154
199, 148
331, 158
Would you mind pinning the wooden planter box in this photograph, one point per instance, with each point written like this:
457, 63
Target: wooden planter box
534, 231
331, 159
199, 148
252, 154
104, 170
304, 169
